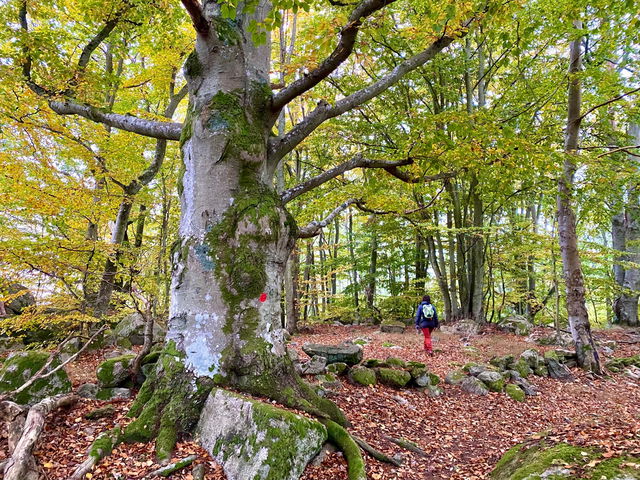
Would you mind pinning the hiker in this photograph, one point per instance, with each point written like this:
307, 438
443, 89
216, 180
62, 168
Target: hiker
427, 321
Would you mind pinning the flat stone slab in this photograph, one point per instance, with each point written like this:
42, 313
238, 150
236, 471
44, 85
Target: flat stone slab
349, 354
255, 440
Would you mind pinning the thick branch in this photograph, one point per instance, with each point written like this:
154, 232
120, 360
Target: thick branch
87, 51
279, 147
313, 228
342, 51
355, 162
405, 177
200, 23
130, 123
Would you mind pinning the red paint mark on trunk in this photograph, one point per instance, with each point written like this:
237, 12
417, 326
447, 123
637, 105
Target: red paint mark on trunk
263, 297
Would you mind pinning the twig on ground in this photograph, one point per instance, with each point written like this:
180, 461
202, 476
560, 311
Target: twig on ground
407, 445
377, 454
173, 467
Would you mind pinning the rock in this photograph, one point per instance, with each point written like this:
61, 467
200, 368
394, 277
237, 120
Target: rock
560, 461
327, 448
563, 339
19, 303
423, 380
401, 400
515, 392
393, 377
558, 371
395, 362
131, 328
455, 377
503, 363
315, 366
362, 376
473, 385
435, 379
478, 369
390, 326
541, 371
493, 380
293, 354
338, 368
522, 383
113, 394
21, 366
522, 367
433, 391
516, 324
257, 441
533, 358
328, 380
101, 412
87, 390
198, 472
349, 354
361, 341
372, 363
465, 327
618, 364
115, 372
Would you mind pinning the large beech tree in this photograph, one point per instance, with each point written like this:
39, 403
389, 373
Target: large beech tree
235, 233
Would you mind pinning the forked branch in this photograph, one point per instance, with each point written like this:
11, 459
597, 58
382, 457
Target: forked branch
313, 228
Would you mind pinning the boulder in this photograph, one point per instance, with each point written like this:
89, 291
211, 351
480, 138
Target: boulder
113, 394
362, 376
522, 367
393, 377
557, 370
455, 377
88, 390
493, 380
131, 328
522, 383
515, 392
346, 353
21, 366
533, 358
433, 391
328, 380
618, 364
478, 369
115, 372
372, 363
19, 302
255, 440
338, 368
465, 327
395, 362
473, 385
503, 363
315, 366
516, 324
390, 326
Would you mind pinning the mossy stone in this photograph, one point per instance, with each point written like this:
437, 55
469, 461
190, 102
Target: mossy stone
115, 372
338, 368
618, 364
515, 392
435, 379
363, 376
522, 367
372, 363
455, 377
395, 362
541, 371
503, 363
19, 367
417, 372
393, 377
493, 380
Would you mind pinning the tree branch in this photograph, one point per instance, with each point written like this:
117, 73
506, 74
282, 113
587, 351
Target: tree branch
356, 162
130, 123
194, 9
280, 146
313, 228
342, 51
604, 104
87, 51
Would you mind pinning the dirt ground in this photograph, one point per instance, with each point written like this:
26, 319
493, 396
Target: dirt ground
463, 435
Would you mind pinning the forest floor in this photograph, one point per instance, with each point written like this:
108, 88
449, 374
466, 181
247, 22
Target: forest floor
463, 435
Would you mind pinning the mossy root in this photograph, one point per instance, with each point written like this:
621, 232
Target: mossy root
343, 440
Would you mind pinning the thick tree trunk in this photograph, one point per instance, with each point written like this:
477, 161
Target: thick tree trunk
234, 240
574, 281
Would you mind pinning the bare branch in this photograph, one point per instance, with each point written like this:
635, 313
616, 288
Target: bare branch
342, 51
604, 104
405, 177
130, 123
200, 23
621, 149
313, 228
356, 162
279, 147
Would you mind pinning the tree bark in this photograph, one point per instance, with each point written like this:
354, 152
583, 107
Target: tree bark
574, 281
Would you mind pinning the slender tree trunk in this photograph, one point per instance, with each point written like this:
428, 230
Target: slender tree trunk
354, 266
291, 292
476, 285
441, 278
373, 271
574, 281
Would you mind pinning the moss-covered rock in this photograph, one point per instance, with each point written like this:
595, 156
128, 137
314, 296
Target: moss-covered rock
21, 366
522, 367
395, 362
115, 372
515, 392
362, 376
473, 385
541, 371
619, 364
345, 353
393, 377
413, 364
560, 461
392, 326
533, 358
328, 380
116, 393
372, 363
493, 380
455, 377
435, 379
338, 368
255, 440
503, 363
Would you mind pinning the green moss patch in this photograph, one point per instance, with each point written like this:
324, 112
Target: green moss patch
393, 377
115, 372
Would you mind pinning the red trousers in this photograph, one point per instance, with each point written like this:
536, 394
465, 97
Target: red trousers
427, 339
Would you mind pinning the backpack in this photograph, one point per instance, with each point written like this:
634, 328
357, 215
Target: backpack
428, 311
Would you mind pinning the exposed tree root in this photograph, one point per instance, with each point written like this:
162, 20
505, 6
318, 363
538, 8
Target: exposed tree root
173, 467
377, 454
343, 440
21, 465
407, 445
100, 448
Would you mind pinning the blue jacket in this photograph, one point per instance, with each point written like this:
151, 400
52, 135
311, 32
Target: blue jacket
422, 321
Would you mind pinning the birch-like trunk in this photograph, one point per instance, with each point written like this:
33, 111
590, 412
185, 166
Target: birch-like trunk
574, 281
